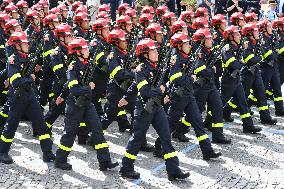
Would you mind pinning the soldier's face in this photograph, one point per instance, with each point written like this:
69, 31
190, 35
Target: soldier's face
123, 44
85, 53
68, 39
208, 42
186, 47
85, 25
129, 27
153, 55
15, 15
25, 10
223, 26
242, 23
25, 47
105, 32
237, 37
159, 38
184, 30
255, 34
64, 14
18, 28
269, 29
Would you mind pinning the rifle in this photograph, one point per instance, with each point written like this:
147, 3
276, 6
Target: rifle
157, 81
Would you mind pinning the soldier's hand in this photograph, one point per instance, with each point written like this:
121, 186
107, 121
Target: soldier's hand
122, 102
93, 43
214, 68
162, 88
194, 77
92, 85
167, 99
6, 83
46, 37
173, 59
59, 100
38, 68
33, 76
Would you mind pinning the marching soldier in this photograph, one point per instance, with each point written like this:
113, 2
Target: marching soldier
231, 84
22, 100
147, 52
81, 109
250, 73
269, 67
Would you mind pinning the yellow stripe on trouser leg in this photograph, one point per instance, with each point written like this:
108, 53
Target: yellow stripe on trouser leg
122, 112
268, 92
83, 125
245, 115
42, 137
185, 122
232, 105
252, 98
51, 95
217, 125
262, 108
278, 99
100, 146
210, 113
170, 155
202, 137
7, 140
65, 148
130, 156
3, 114
48, 125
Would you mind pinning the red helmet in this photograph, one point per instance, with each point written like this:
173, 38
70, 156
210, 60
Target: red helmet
153, 28
218, 19
43, 3
116, 35
4, 17
102, 15
161, 10
131, 13
100, 24
11, 8
201, 34
104, 7
200, 23
18, 38
122, 7
22, 4
62, 7
186, 14
37, 7
168, 16
229, 31
11, 24
80, 17
178, 39
146, 19
144, 46
31, 15
178, 26
123, 20
81, 8
50, 19
249, 28
200, 12
6, 2
262, 24
147, 10
236, 17
250, 16
54, 10
62, 30
277, 22
76, 45
75, 5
